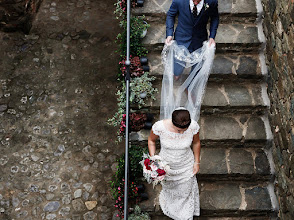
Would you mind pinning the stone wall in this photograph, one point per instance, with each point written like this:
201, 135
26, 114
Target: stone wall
279, 31
17, 14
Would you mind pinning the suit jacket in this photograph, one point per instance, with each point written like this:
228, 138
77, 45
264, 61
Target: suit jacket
190, 31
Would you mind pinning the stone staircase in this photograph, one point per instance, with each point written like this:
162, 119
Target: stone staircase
236, 174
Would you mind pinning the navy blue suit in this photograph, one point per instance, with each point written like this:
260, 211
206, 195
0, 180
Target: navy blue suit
191, 32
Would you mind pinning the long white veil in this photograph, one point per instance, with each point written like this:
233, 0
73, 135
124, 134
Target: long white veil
189, 89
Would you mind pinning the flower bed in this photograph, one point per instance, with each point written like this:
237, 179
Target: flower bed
136, 68
135, 177
137, 122
141, 89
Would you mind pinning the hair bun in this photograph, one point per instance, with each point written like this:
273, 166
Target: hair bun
181, 117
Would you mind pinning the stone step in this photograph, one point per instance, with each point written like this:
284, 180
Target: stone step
238, 130
226, 66
229, 10
224, 164
161, 217
234, 164
224, 98
221, 199
229, 38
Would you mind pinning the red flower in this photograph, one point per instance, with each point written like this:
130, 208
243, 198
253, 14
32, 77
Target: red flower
136, 68
147, 164
160, 172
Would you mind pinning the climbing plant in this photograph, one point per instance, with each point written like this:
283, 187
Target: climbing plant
141, 85
141, 88
137, 27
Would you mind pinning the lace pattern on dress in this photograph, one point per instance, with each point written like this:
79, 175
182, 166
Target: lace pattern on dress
195, 127
179, 198
156, 128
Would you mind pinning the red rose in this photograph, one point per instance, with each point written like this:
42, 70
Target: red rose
160, 172
147, 163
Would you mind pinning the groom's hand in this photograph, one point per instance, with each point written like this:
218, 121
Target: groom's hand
211, 42
168, 40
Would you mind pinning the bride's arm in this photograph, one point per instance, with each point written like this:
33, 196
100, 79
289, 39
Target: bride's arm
196, 149
152, 143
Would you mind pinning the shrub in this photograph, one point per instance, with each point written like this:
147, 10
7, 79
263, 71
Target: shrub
137, 122
139, 215
135, 67
121, 7
135, 176
138, 85
136, 46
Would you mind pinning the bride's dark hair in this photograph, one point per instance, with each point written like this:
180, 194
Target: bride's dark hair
181, 118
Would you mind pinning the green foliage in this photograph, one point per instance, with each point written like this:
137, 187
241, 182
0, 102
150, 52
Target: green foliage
141, 83
137, 86
135, 172
138, 215
137, 27
121, 8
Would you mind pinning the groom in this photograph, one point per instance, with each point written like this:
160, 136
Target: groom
191, 31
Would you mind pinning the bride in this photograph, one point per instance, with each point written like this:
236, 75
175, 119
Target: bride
179, 198
178, 128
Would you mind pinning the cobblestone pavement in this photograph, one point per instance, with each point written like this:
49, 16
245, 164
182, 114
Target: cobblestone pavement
57, 90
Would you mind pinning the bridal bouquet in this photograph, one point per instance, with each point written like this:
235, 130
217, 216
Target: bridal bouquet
154, 169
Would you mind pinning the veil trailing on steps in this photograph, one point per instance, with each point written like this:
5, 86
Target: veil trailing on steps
188, 90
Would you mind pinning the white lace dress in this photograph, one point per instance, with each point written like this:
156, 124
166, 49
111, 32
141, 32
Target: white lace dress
179, 198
